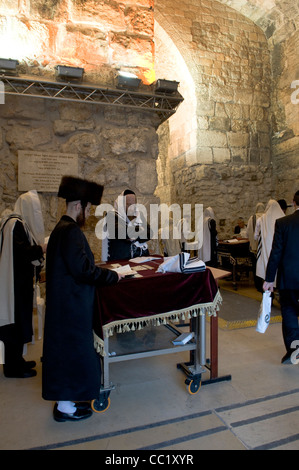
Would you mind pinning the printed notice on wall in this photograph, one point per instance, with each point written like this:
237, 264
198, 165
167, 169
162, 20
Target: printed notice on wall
42, 171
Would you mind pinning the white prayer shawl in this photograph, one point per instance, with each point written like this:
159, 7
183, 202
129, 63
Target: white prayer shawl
29, 207
120, 211
251, 224
264, 232
27, 211
205, 251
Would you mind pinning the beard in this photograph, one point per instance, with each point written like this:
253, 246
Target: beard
81, 218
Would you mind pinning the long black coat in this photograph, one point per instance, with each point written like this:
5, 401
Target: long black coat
71, 367
120, 245
284, 256
23, 255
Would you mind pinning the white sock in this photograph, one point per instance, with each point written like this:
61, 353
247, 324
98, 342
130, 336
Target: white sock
66, 407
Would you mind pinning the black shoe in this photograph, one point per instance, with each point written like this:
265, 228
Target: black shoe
29, 365
78, 415
288, 359
19, 373
83, 405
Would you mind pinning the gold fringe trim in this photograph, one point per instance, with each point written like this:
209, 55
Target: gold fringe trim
132, 324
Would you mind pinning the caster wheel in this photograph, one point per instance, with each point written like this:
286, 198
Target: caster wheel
193, 386
100, 405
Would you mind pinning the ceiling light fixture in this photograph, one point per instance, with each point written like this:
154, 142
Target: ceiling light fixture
67, 73
127, 80
166, 86
8, 66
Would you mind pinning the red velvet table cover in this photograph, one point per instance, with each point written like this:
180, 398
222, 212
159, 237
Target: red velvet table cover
154, 298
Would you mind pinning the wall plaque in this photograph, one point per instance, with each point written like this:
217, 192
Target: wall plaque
42, 171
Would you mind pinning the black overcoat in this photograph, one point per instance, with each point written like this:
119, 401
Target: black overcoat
23, 255
71, 367
284, 256
120, 245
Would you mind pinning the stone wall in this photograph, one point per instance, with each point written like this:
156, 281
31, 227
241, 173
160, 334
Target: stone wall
232, 143
100, 36
115, 148
285, 140
229, 165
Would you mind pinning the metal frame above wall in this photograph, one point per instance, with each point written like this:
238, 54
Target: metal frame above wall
163, 104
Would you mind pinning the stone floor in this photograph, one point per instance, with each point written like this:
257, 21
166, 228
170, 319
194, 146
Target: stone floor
152, 409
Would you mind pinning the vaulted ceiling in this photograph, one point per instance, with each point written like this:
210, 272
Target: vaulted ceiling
279, 19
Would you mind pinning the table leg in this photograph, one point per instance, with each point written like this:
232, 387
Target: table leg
105, 371
202, 340
214, 346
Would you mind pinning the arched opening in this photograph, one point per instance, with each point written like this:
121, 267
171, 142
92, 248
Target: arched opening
178, 136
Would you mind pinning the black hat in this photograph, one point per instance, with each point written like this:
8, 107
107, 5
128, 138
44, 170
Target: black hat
128, 191
78, 189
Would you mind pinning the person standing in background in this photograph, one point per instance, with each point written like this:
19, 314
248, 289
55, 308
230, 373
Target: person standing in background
264, 232
22, 247
284, 262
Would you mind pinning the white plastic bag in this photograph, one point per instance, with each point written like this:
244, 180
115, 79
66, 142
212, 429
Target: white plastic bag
264, 313
2, 353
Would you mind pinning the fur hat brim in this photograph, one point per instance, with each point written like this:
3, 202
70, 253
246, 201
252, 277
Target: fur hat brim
78, 189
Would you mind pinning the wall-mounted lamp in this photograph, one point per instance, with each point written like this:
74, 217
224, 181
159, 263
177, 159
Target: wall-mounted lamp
66, 73
127, 80
166, 86
8, 66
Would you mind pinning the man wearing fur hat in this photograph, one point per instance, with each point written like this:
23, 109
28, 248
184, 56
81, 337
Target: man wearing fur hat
71, 367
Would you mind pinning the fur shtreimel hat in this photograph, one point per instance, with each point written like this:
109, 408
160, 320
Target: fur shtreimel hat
78, 189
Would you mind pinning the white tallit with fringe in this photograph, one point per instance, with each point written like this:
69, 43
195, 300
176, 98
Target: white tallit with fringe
264, 233
28, 211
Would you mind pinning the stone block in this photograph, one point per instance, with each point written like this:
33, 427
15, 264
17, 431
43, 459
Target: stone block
84, 144
146, 176
126, 141
191, 157
234, 111
205, 108
221, 94
220, 110
238, 139
116, 173
211, 138
239, 155
243, 97
62, 127
240, 125
204, 155
203, 122
256, 113
264, 140
221, 155
254, 156
220, 123
266, 156
29, 138
75, 111
261, 99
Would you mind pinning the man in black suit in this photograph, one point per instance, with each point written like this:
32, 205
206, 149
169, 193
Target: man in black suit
284, 260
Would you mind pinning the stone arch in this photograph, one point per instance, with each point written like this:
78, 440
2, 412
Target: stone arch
179, 134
